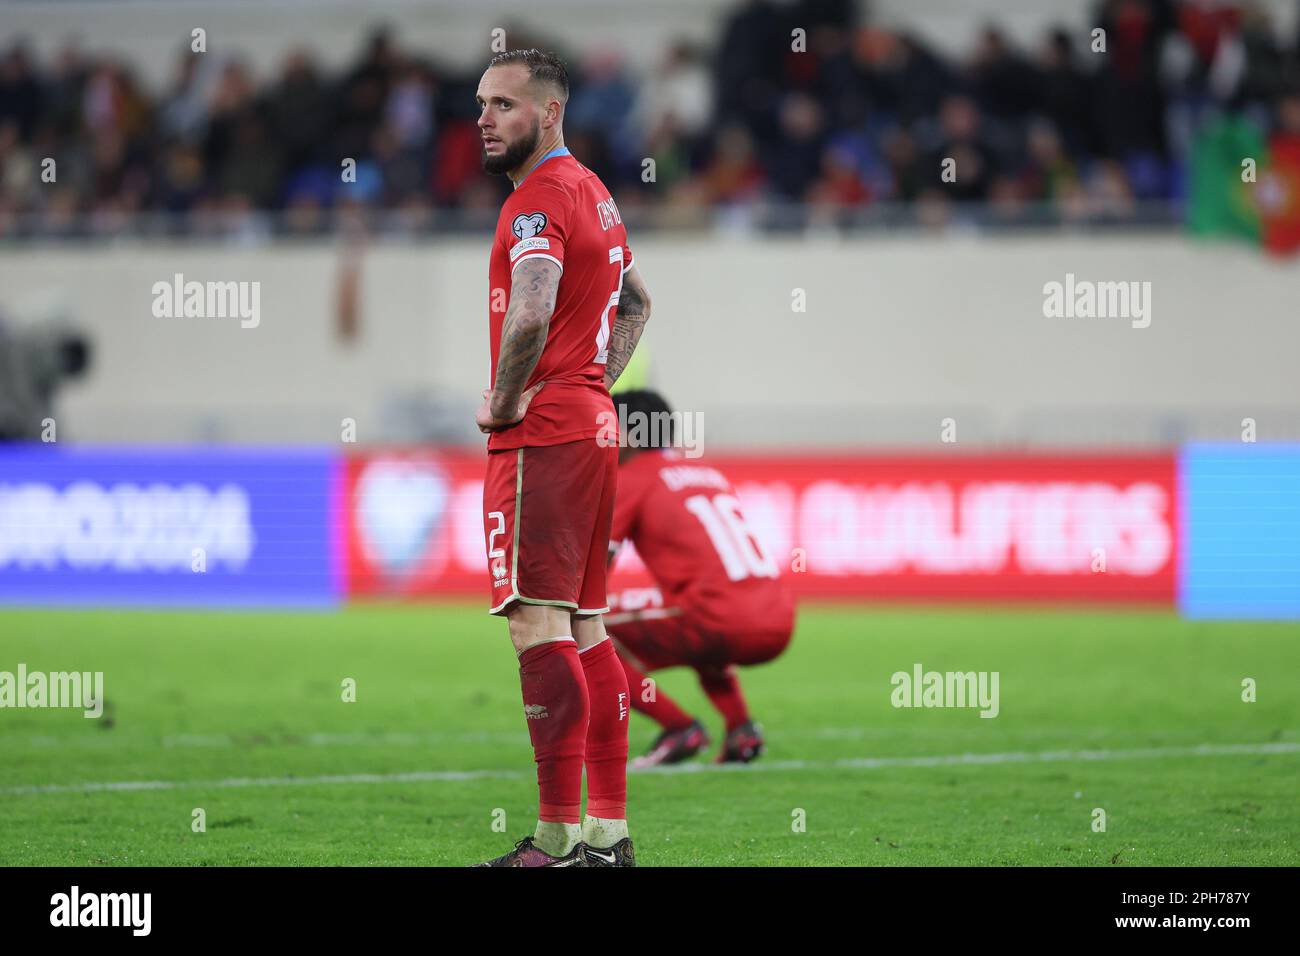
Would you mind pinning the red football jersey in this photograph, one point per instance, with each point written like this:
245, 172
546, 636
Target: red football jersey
687, 526
561, 211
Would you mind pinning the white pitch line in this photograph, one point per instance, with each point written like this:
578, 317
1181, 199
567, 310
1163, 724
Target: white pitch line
855, 763
519, 737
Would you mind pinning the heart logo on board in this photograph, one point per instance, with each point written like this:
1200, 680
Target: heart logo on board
400, 507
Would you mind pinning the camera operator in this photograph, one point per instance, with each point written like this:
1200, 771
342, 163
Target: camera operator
34, 361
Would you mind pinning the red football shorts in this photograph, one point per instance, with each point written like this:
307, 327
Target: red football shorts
547, 512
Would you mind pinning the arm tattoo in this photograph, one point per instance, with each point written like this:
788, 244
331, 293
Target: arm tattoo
533, 288
629, 322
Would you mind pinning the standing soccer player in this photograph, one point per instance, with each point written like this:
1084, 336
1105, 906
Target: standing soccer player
566, 309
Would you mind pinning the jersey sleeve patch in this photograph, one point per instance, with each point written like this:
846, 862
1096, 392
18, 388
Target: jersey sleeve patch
528, 245
528, 224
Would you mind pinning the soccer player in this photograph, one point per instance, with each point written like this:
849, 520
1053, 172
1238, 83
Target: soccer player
720, 602
566, 309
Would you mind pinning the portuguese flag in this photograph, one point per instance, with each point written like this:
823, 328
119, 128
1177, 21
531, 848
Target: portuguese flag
1227, 200
1279, 196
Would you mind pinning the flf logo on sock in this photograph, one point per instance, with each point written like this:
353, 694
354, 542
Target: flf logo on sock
622, 706
535, 711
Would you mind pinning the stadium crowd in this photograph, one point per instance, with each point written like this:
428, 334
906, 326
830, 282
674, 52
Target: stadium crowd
860, 117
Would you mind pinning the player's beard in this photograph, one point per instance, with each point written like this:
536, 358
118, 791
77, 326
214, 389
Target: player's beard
515, 153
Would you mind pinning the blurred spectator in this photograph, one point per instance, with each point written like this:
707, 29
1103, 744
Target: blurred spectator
794, 163
909, 81
905, 165
748, 58
298, 109
183, 113
961, 139
841, 186
602, 97
859, 115
1048, 173
1002, 80
732, 174
1065, 93
20, 91
676, 102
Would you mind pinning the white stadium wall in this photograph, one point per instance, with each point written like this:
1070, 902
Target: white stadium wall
898, 334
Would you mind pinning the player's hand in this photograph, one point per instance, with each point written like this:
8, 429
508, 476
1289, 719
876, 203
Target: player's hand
485, 420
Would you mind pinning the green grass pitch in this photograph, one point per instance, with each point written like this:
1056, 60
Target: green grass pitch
1137, 713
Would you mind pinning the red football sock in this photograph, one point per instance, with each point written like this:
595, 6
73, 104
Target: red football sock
606, 755
662, 709
555, 703
723, 688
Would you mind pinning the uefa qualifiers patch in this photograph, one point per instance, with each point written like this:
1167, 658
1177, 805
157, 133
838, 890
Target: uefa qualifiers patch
528, 225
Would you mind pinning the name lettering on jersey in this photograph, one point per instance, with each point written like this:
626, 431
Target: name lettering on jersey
693, 476
528, 245
608, 213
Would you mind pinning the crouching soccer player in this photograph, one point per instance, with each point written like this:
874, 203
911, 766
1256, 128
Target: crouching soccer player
720, 601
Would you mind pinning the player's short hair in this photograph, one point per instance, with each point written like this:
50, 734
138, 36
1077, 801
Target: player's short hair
542, 67
648, 403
